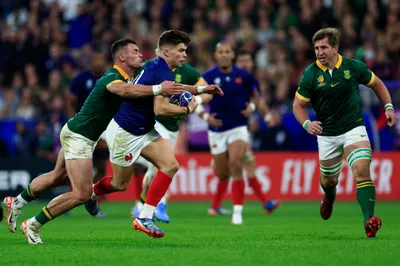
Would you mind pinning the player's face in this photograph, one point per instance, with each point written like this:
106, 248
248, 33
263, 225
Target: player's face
132, 56
324, 51
177, 55
224, 55
245, 61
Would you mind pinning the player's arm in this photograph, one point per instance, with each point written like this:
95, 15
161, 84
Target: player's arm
301, 99
126, 90
163, 107
383, 95
209, 89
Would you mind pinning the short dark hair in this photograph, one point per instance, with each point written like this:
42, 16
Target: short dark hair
243, 52
173, 37
332, 34
118, 45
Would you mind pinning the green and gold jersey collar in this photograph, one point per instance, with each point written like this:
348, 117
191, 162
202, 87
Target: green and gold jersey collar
324, 68
121, 71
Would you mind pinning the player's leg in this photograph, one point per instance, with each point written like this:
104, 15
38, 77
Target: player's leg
330, 151
100, 158
218, 142
249, 166
78, 152
36, 188
359, 156
159, 153
236, 151
141, 165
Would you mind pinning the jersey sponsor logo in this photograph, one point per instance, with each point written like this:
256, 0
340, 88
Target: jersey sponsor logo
347, 74
333, 85
129, 157
239, 80
178, 78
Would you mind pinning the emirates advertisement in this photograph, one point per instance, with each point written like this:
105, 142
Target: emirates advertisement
286, 176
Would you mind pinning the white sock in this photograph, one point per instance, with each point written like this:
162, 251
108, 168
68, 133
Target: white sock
19, 202
139, 205
147, 211
237, 209
35, 222
94, 196
164, 200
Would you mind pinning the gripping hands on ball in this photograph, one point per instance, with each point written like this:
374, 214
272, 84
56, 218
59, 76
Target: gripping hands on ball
314, 128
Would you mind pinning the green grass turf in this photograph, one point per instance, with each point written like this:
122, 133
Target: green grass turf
294, 235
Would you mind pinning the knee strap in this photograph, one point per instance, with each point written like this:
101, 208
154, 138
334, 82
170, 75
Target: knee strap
331, 170
359, 154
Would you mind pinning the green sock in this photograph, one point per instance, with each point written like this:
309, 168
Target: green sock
142, 198
366, 197
330, 192
43, 216
27, 194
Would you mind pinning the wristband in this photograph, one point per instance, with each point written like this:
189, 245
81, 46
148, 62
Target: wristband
305, 124
252, 106
199, 100
205, 117
156, 89
388, 106
200, 89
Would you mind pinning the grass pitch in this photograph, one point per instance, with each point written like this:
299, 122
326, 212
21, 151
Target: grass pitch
294, 235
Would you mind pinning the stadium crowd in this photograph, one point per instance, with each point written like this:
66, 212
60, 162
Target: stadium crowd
44, 44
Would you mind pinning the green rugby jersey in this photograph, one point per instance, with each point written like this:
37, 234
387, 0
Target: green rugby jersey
336, 99
100, 106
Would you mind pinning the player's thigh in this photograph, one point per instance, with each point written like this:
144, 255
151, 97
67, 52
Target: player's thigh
60, 170
358, 152
330, 151
80, 173
122, 176
159, 153
238, 139
221, 165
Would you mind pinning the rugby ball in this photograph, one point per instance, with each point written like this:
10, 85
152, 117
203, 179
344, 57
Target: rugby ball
182, 99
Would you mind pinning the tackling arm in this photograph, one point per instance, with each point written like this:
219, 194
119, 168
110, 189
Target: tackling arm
299, 110
126, 90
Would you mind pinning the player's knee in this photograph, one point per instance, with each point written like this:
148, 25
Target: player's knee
170, 168
330, 174
235, 164
361, 170
83, 194
329, 181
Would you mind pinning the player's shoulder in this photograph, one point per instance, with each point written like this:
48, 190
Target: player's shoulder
156, 64
212, 71
351, 62
240, 71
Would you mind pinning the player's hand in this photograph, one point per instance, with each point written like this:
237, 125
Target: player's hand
248, 111
213, 121
391, 118
213, 89
314, 128
171, 88
192, 105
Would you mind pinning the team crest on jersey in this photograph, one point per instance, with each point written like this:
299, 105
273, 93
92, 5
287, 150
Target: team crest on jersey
178, 78
321, 81
347, 74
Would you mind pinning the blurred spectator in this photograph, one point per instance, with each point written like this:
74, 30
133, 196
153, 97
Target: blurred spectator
44, 44
24, 141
